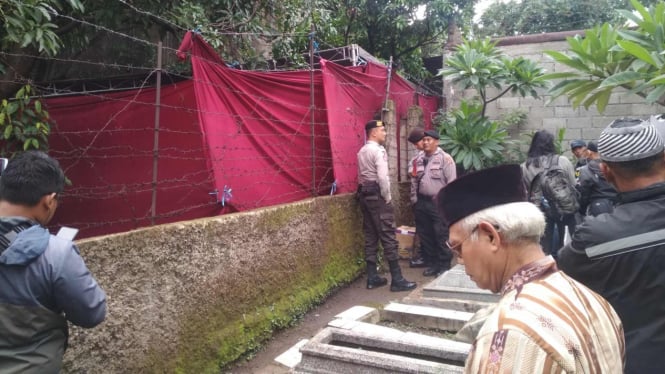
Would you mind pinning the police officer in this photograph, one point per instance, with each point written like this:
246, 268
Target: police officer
416, 138
377, 209
597, 195
434, 170
579, 149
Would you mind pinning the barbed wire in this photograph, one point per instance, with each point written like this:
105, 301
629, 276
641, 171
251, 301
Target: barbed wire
83, 154
151, 15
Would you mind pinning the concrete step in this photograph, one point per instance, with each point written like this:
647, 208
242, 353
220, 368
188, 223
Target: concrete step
371, 350
461, 305
426, 316
360, 313
455, 284
291, 357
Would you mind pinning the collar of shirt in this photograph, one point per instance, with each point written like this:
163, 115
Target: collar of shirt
529, 273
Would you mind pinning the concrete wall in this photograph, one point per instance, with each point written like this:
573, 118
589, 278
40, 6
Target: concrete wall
579, 123
192, 296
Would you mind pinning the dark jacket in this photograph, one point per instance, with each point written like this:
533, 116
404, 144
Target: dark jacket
593, 186
621, 256
44, 284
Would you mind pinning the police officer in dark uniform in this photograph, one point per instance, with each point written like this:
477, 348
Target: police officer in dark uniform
579, 148
377, 209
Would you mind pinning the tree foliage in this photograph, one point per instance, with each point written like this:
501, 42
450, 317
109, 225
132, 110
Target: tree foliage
474, 141
609, 57
537, 16
480, 65
31, 24
23, 124
407, 30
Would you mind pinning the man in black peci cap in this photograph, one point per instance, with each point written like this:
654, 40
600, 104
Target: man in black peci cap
545, 322
377, 209
434, 170
621, 255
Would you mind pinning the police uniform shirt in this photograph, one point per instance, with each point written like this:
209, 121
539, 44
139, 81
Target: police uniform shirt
373, 167
434, 172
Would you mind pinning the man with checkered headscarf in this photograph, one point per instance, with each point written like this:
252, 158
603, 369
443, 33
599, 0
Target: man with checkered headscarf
621, 255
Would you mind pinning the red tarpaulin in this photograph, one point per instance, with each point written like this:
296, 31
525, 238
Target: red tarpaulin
258, 129
253, 137
354, 96
105, 145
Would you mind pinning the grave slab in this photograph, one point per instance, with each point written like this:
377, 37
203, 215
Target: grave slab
455, 284
426, 316
336, 350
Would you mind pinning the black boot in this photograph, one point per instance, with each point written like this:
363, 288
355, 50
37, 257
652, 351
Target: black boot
373, 279
398, 282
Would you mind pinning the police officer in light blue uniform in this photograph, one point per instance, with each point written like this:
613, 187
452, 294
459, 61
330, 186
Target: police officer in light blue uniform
377, 209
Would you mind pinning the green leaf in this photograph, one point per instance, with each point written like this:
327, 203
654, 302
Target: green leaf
8, 131
657, 80
552, 76
27, 39
12, 107
639, 52
656, 94
621, 78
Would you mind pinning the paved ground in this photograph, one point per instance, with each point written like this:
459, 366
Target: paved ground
315, 320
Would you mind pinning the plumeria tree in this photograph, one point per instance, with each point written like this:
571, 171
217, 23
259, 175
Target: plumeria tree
467, 134
610, 57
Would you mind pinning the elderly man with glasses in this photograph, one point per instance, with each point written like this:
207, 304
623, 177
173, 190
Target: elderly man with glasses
545, 322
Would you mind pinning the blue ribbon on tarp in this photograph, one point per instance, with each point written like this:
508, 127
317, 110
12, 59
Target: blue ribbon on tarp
333, 188
226, 195
315, 44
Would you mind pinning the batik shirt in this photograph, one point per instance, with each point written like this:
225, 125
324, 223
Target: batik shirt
546, 322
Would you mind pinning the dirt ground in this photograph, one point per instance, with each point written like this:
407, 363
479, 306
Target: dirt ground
351, 295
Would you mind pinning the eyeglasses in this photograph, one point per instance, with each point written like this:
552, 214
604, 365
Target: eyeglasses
457, 248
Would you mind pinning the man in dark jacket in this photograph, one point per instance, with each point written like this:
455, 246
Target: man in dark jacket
579, 148
621, 255
43, 280
596, 194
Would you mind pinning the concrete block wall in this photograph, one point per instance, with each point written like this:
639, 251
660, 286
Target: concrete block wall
579, 123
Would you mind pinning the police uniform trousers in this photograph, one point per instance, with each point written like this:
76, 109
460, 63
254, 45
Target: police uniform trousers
378, 224
432, 233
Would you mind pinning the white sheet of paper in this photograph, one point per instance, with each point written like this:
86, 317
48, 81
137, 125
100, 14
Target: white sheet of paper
68, 233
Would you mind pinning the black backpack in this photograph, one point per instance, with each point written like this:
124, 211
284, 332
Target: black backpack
552, 191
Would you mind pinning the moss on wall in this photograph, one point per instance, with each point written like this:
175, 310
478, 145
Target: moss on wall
253, 309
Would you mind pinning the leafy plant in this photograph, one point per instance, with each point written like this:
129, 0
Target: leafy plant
514, 118
480, 65
23, 123
29, 23
470, 138
608, 57
558, 141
